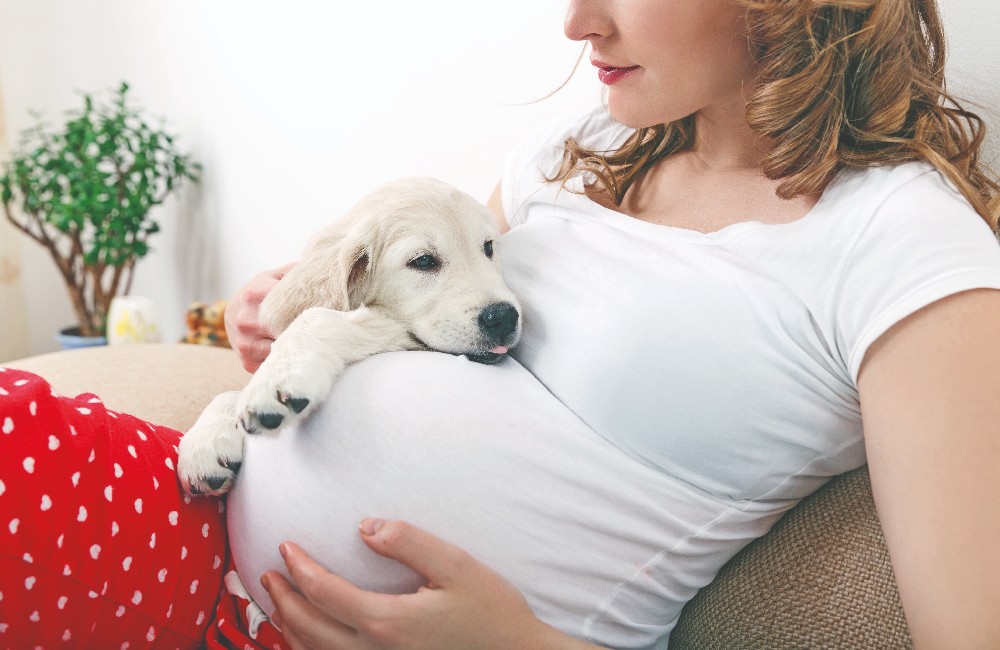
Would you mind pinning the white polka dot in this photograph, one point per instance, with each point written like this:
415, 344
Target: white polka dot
12, 526
82, 515
3, 626
184, 552
8, 425
83, 410
124, 646
20, 382
120, 611
92, 456
67, 571
29, 465
46, 502
3, 488
172, 517
94, 400
138, 506
156, 484
152, 541
204, 530
92, 594
170, 610
27, 558
59, 540
107, 493
75, 478
112, 414
34, 618
131, 452
114, 528
104, 589
194, 586
1, 596
53, 443
67, 635
61, 603
221, 622
162, 575
217, 563
169, 463
127, 563
187, 499
95, 550
72, 430
29, 582
137, 597
142, 436
118, 471
151, 634
201, 618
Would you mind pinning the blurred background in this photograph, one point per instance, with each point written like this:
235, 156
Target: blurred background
296, 109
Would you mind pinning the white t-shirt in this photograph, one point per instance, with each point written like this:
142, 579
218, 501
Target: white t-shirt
674, 394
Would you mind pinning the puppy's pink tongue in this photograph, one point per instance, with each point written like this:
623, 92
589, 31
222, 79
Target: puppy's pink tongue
500, 349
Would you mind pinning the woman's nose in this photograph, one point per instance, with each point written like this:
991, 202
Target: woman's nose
586, 20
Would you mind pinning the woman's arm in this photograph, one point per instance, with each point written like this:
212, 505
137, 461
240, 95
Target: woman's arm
464, 605
495, 204
932, 431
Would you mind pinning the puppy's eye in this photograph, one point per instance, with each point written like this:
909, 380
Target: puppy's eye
424, 263
488, 248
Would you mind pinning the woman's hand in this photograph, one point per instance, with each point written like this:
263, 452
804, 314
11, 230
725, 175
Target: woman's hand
251, 340
463, 605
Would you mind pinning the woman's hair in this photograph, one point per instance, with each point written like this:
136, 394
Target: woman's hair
842, 84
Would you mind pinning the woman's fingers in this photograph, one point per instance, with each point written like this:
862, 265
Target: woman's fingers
442, 564
330, 593
303, 624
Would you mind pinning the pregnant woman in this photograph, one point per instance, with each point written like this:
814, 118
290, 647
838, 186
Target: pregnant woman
768, 260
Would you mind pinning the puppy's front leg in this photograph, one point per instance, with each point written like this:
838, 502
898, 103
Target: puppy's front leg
211, 452
308, 357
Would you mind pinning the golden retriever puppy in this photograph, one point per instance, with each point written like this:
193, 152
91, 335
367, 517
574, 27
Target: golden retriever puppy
410, 267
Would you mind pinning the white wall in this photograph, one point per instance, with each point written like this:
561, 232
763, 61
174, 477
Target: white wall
296, 110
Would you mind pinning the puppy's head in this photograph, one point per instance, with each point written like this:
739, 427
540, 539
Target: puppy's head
423, 252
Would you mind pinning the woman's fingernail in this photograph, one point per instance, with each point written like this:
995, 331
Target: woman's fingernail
265, 582
369, 527
283, 549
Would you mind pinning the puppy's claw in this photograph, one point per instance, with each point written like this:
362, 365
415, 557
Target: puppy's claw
247, 425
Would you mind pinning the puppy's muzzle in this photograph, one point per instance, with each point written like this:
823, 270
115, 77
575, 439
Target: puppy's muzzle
498, 325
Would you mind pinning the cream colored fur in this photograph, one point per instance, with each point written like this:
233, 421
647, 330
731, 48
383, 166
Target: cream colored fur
356, 293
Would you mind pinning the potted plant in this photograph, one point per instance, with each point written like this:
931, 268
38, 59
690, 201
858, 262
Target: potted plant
86, 193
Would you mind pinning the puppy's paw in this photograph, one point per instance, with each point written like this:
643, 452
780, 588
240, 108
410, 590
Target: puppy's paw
209, 456
275, 398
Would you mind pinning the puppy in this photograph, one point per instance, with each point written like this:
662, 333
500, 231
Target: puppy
410, 267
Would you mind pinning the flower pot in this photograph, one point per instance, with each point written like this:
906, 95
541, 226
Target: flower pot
69, 338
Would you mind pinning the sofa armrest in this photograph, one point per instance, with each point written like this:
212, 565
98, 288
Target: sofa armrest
168, 384
821, 578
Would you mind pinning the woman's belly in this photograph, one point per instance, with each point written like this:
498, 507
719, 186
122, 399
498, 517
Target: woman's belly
602, 546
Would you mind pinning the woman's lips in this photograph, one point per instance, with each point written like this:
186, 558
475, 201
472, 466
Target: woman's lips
609, 74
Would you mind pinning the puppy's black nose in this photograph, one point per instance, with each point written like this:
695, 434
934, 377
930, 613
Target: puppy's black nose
498, 321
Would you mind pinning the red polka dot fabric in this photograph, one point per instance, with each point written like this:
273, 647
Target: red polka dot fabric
99, 547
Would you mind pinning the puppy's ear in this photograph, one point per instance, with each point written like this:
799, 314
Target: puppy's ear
331, 274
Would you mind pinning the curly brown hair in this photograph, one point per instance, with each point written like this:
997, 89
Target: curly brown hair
842, 84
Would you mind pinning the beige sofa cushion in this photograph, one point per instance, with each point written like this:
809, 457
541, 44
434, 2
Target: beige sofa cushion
165, 384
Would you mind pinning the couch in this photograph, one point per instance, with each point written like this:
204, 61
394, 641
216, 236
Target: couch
820, 579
